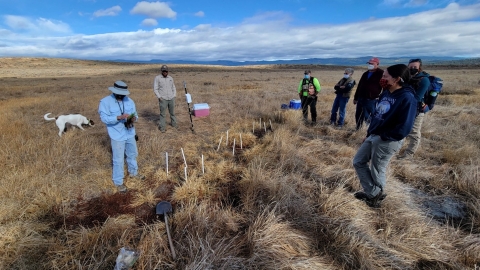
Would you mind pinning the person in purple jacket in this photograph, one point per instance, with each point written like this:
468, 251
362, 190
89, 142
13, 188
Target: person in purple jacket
368, 90
391, 122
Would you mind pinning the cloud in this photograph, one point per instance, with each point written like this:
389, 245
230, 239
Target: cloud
81, 43
199, 14
391, 2
18, 22
37, 27
153, 10
4, 32
149, 22
113, 11
416, 3
405, 3
450, 31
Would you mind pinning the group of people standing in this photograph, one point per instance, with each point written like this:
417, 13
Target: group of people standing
118, 112
391, 103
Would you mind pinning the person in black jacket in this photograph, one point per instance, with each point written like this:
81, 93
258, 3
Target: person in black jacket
342, 90
391, 122
367, 92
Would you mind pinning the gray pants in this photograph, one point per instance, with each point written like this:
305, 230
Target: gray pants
164, 104
378, 152
415, 135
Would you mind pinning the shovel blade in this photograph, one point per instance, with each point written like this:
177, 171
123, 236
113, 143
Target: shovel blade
163, 208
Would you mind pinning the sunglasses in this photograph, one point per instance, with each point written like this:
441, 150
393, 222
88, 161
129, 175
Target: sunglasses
415, 60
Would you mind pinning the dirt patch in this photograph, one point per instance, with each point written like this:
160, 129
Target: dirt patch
445, 209
95, 211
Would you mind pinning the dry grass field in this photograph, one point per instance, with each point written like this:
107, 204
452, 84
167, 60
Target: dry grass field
284, 200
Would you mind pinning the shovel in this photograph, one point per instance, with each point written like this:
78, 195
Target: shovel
163, 208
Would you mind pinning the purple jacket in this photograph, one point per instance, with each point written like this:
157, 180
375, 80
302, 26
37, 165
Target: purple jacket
369, 87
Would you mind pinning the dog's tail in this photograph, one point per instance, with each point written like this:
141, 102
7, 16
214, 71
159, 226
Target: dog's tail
47, 118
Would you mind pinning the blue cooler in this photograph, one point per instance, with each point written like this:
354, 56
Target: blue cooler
295, 104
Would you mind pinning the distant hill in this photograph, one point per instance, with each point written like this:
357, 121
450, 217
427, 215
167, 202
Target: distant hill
432, 60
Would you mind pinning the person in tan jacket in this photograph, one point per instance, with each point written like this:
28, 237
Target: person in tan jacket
164, 89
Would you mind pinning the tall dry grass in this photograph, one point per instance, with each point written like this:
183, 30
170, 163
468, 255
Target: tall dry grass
282, 201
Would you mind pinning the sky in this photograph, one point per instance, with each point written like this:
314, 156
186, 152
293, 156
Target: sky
247, 30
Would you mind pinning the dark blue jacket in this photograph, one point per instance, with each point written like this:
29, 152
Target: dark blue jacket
394, 115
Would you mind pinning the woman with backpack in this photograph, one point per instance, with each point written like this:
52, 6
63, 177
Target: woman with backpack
415, 67
391, 122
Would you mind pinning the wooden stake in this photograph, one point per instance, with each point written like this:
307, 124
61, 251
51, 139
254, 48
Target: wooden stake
271, 125
265, 127
233, 151
241, 144
226, 141
219, 142
184, 160
185, 169
203, 166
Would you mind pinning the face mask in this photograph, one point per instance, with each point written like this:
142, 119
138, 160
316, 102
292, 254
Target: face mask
307, 76
413, 71
370, 67
346, 76
120, 97
384, 84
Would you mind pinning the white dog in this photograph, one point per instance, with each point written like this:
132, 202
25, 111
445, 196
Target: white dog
73, 119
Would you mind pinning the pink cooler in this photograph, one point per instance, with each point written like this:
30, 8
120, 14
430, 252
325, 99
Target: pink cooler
201, 110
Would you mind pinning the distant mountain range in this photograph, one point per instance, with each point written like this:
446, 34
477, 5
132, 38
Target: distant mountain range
320, 61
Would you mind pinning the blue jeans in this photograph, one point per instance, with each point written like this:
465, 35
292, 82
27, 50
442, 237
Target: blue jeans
120, 149
365, 108
340, 105
378, 152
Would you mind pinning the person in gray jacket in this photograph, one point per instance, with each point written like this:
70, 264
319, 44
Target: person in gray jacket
164, 89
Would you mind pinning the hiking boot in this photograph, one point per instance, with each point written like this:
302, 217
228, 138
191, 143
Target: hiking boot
161, 129
138, 176
375, 201
122, 188
372, 202
360, 195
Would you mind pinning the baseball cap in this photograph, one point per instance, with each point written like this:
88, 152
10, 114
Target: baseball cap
374, 60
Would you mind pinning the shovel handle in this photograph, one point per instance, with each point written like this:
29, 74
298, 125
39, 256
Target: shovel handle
169, 237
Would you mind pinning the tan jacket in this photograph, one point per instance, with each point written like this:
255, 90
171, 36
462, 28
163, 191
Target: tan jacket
164, 87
